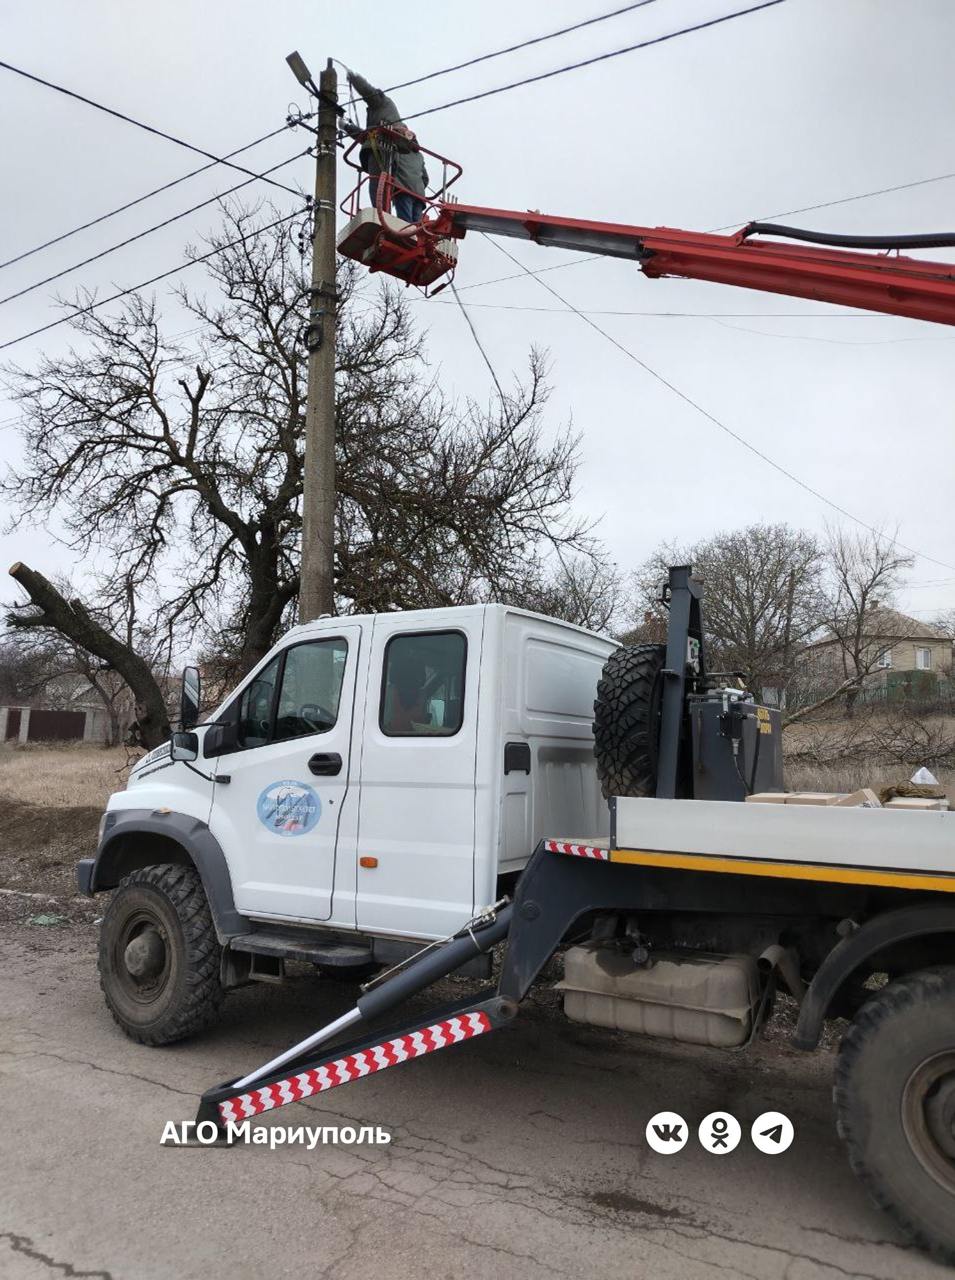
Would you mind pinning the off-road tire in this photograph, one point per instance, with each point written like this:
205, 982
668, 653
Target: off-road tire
627, 720
900, 1032
170, 899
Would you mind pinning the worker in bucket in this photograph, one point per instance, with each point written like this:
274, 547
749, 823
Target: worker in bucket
395, 153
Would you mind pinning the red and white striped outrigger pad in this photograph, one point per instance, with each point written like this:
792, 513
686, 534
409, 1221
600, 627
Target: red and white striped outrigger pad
464, 1026
577, 850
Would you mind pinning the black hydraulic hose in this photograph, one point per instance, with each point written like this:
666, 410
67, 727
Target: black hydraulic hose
927, 240
435, 964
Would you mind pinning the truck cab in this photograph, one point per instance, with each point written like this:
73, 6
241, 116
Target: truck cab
375, 777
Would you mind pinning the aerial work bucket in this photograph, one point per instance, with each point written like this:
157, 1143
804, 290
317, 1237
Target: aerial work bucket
420, 252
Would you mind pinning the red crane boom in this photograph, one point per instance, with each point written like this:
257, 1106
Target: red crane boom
869, 273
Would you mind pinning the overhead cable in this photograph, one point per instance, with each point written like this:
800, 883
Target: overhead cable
148, 231
144, 284
601, 57
515, 48
147, 195
722, 426
159, 133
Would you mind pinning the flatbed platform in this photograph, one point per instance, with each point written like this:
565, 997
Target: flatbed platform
880, 847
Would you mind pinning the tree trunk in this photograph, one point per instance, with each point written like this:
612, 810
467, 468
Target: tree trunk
71, 619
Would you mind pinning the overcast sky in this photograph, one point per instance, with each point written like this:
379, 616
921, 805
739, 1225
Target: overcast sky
807, 102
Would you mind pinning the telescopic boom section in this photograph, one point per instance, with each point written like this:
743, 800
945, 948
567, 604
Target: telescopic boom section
883, 280
897, 285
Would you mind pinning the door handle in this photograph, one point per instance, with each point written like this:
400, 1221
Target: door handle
326, 763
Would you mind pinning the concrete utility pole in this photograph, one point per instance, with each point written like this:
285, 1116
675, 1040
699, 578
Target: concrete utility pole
317, 593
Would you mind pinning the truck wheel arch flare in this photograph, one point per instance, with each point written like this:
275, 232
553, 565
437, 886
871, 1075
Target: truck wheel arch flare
135, 838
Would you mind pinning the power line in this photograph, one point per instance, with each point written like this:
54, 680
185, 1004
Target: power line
551, 538
159, 133
148, 231
862, 195
694, 404
85, 226
601, 57
514, 48
94, 306
474, 334
685, 315
718, 317
517, 275
832, 342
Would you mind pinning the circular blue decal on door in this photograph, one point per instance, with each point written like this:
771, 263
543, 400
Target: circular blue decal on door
289, 808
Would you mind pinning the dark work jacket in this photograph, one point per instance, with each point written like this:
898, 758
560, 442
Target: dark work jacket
387, 155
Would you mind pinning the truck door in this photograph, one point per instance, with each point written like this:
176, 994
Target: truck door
279, 815
415, 849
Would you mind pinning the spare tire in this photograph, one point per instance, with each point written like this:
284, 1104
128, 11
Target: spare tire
627, 720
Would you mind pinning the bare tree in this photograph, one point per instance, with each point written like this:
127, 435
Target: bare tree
583, 589
864, 569
187, 468
763, 597
64, 672
49, 612
26, 671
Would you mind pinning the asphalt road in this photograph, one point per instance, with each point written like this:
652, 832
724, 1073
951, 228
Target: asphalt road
521, 1154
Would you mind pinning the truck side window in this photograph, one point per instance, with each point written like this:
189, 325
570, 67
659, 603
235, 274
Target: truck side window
422, 689
311, 688
255, 706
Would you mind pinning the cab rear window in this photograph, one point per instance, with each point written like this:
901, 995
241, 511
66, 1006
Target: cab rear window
422, 687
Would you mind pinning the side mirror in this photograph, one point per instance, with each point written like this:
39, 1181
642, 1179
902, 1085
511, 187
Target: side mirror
220, 738
189, 697
185, 746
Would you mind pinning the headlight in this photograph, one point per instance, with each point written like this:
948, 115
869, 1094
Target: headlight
99, 833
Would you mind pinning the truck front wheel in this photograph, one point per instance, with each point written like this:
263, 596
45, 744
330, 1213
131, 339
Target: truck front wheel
895, 1103
159, 956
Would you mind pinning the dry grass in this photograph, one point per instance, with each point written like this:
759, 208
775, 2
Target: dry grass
851, 776
874, 749
51, 800
63, 776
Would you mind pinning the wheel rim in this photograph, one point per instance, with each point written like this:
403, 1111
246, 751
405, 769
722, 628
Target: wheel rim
142, 957
928, 1117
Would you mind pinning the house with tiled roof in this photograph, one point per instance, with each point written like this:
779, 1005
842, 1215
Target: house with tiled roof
904, 655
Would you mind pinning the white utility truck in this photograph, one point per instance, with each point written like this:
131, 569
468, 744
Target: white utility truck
375, 780
379, 782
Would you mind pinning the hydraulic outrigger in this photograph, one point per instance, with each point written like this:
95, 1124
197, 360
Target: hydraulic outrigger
566, 880
562, 882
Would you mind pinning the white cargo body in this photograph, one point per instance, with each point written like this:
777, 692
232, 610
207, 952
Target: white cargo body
408, 833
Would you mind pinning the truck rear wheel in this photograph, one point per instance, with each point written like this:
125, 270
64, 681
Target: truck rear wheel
159, 955
627, 720
895, 1103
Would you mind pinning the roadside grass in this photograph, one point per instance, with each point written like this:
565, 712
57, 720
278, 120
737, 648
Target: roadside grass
51, 798
61, 774
874, 749
852, 775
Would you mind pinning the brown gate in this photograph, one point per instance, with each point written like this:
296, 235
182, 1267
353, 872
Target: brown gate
56, 726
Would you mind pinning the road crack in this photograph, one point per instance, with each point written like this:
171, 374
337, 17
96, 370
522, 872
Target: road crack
25, 1246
